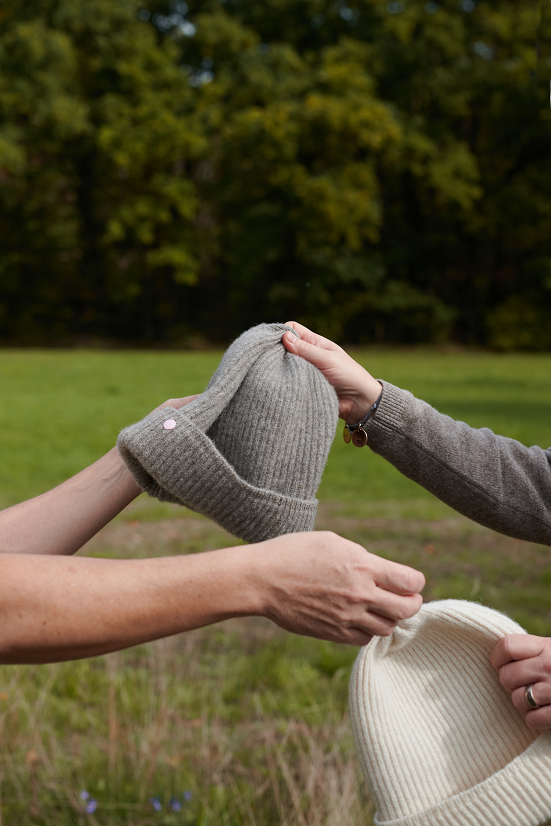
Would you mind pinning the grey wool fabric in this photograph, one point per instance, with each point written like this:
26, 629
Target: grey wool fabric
250, 451
495, 481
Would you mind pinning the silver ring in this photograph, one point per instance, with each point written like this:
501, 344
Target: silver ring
530, 697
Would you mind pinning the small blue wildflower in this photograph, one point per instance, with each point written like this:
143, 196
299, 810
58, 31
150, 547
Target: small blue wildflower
156, 803
84, 795
175, 805
91, 806
187, 796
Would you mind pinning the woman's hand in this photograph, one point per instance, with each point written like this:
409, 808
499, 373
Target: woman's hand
356, 388
321, 585
522, 660
176, 404
317, 584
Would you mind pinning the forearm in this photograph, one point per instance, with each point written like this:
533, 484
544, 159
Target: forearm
53, 608
495, 481
63, 519
317, 584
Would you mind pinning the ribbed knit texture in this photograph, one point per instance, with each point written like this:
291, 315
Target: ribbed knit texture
496, 481
250, 451
438, 737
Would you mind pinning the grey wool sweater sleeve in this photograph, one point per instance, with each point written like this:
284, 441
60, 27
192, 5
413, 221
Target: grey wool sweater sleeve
493, 480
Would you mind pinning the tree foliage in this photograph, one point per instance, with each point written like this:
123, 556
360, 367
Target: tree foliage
379, 171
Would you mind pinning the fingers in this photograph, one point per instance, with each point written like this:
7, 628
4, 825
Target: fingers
394, 607
176, 404
358, 637
361, 633
524, 672
348, 636
392, 576
320, 357
541, 692
308, 336
540, 718
515, 675
373, 623
323, 585
516, 647
381, 621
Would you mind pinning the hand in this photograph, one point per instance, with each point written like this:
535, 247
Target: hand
356, 388
321, 585
522, 660
177, 403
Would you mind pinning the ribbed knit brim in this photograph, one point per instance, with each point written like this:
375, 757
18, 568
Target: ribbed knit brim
438, 738
250, 451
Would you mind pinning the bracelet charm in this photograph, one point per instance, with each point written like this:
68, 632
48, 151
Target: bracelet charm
359, 437
355, 433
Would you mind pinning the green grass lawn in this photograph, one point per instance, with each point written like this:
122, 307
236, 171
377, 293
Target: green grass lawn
61, 410
252, 721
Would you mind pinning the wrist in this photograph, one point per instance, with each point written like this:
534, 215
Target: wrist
367, 395
257, 560
129, 484
250, 592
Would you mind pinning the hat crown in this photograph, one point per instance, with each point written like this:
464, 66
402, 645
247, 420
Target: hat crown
249, 452
277, 429
431, 719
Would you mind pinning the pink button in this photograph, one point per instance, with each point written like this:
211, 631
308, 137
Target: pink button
170, 424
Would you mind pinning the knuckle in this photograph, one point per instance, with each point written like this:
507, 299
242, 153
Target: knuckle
505, 679
413, 580
506, 644
387, 630
518, 700
409, 579
341, 617
406, 609
356, 596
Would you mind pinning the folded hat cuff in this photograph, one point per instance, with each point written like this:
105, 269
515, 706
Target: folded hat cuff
204, 481
517, 794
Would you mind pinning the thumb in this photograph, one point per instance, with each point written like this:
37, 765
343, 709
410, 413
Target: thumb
322, 359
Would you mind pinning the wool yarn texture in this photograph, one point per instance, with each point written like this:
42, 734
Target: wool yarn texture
438, 737
250, 451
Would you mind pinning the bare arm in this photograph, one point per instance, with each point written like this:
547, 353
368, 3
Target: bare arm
318, 584
62, 520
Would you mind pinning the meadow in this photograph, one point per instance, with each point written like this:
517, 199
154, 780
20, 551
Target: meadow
239, 723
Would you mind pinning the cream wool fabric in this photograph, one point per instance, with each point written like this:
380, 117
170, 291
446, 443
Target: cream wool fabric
250, 451
438, 738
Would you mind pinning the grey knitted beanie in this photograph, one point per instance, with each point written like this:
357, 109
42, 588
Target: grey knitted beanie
438, 737
250, 451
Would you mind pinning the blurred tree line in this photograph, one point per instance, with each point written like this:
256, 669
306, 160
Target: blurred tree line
379, 171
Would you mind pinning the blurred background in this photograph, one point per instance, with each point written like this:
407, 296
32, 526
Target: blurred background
171, 174
174, 173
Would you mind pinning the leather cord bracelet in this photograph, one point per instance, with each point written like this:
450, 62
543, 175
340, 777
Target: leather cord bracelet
355, 433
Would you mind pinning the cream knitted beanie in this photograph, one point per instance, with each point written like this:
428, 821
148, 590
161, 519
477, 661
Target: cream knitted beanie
250, 451
438, 737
